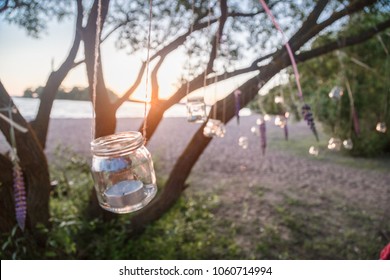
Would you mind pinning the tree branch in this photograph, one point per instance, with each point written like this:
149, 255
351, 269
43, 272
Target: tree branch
357, 6
41, 122
130, 91
343, 42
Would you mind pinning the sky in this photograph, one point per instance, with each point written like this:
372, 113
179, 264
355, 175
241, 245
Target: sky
26, 62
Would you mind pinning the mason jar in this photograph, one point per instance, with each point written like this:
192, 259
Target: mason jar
196, 109
123, 172
213, 128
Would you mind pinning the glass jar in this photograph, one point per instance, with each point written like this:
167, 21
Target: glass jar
196, 109
336, 93
334, 144
381, 127
214, 128
123, 172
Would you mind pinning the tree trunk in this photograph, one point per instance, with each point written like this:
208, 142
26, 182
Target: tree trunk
36, 175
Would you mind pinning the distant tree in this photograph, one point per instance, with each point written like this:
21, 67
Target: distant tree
176, 27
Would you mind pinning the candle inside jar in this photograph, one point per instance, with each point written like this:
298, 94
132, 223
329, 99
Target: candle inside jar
125, 193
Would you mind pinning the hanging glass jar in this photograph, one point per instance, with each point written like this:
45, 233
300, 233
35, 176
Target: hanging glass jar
334, 144
314, 151
348, 144
336, 93
243, 142
196, 109
280, 121
381, 127
123, 172
214, 128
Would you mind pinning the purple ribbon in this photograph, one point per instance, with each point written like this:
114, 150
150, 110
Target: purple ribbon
356, 125
286, 132
263, 137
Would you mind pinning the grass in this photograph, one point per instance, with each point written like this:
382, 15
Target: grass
300, 147
301, 230
293, 226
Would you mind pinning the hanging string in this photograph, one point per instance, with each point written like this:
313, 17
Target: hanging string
287, 45
215, 98
354, 118
95, 65
190, 51
224, 103
217, 44
11, 122
147, 72
306, 109
208, 32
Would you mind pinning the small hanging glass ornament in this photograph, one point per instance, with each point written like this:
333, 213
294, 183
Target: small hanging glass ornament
314, 151
334, 144
237, 102
279, 99
381, 127
243, 142
196, 109
255, 130
347, 143
280, 121
336, 93
214, 128
123, 172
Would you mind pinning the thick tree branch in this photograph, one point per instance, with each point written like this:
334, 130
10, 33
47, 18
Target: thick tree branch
297, 41
130, 91
343, 42
41, 122
311, 19
154, 80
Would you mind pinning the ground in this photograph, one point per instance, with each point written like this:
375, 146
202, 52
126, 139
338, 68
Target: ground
286, 204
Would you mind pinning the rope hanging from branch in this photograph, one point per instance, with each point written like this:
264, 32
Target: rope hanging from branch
147, 71
95, 64
306, 109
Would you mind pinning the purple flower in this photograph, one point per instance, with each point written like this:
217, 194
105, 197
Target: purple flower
19, 196
308, 117
263, 136
285, 132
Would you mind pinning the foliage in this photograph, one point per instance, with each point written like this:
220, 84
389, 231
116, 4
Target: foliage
33, 15
366, 67
76, 93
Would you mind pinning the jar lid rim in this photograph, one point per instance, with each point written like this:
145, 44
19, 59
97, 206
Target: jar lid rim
117, 143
